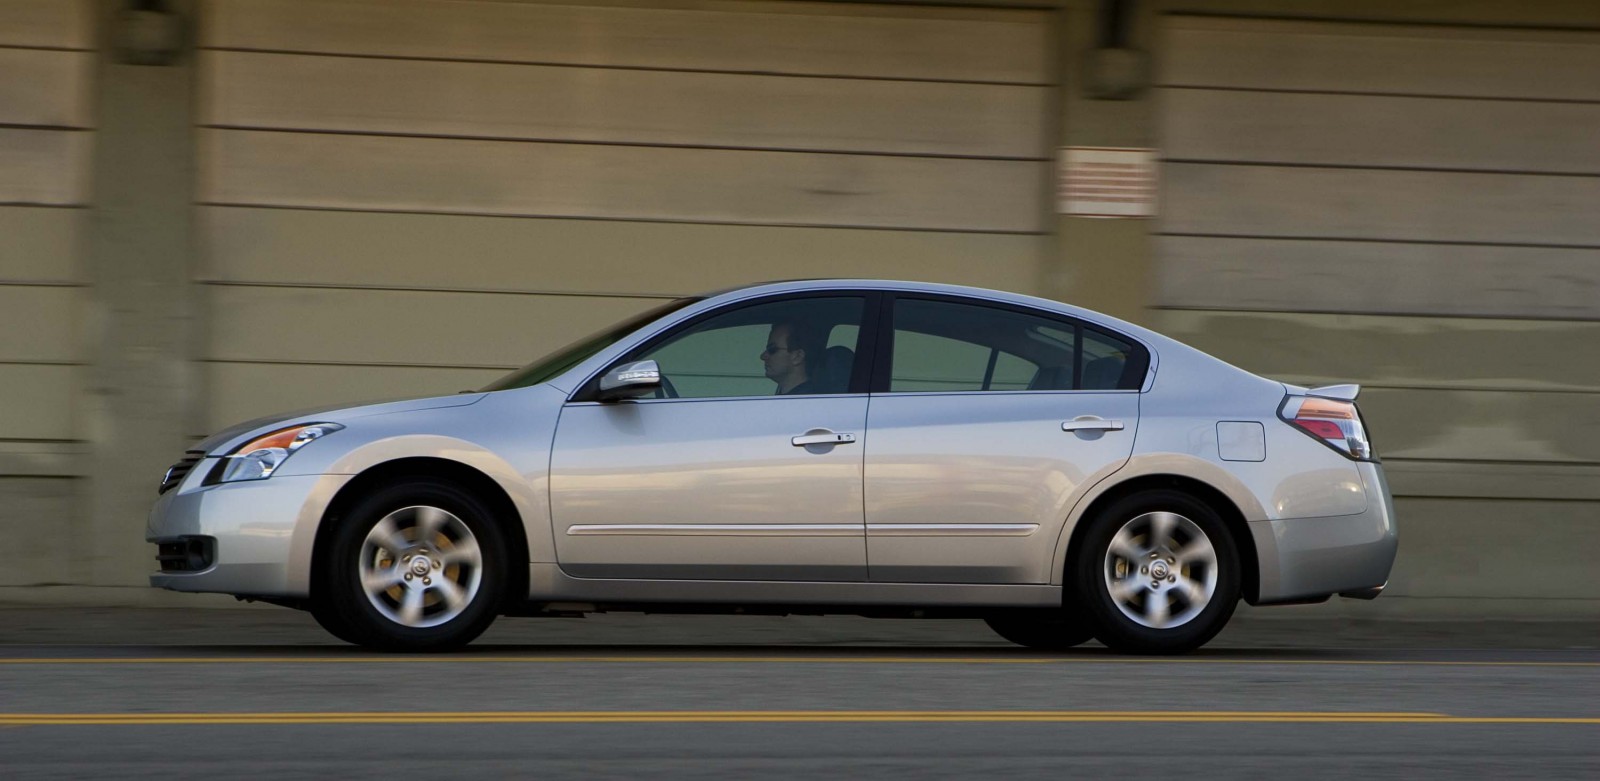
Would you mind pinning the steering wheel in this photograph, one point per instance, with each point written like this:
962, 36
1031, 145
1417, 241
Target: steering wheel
666, 391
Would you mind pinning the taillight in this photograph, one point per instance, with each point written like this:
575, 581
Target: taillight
1335, 423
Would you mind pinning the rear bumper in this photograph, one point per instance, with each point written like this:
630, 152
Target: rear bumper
1306, 559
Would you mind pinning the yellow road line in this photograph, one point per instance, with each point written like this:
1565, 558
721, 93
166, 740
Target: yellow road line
618, 717
404, 659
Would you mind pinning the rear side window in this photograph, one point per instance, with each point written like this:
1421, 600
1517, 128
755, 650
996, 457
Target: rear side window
1105, 361
942, 345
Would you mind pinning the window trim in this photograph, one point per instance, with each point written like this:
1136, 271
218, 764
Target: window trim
865, 349
882, 371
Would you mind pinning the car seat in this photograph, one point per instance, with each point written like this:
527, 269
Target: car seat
834, 373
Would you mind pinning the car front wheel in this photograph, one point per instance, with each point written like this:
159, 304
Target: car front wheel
1158, 572
414, 566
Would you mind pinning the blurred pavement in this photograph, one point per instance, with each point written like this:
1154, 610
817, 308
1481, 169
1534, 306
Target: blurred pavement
280, 626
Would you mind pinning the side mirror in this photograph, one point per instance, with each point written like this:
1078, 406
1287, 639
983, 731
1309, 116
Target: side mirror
630, 381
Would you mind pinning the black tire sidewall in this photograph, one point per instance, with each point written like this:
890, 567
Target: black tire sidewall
1057, 631
1121, 633
342, 600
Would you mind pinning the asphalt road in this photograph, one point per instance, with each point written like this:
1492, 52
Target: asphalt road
257, 694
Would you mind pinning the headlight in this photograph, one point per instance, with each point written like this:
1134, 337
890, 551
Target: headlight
260, 457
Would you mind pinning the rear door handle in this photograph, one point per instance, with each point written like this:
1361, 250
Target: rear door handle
1091, 423
824, 438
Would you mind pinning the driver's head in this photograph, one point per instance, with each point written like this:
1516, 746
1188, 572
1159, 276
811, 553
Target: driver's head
790, 349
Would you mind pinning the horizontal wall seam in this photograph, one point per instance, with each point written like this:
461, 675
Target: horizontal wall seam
41, 362
1240, 309
44, 48
38, 205
30, 126
635, 144
1366, 386
27, 441
657, 69
1370, 94
1486, 462
1422, 23
42, 283
361, 364
1355, 167
656, 220
419, 289
1373, 240
1486, 498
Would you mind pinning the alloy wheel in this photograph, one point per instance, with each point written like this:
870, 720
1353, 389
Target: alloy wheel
420, 566
1161, 570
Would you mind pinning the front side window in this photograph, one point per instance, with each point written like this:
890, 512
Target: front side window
948, 346
790, 347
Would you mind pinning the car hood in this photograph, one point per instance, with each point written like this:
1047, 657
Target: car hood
225, 440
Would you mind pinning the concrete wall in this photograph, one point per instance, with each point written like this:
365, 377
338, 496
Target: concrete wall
187, 245
48, 120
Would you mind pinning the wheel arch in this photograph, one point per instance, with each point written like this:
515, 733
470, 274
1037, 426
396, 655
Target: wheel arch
1213, 497
506, 513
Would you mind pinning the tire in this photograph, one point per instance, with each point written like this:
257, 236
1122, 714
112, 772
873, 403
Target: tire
1049, 630
1186, 584
418, 565
328, 620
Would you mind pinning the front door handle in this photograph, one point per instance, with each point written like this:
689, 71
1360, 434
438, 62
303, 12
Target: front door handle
822, 438
1091, 423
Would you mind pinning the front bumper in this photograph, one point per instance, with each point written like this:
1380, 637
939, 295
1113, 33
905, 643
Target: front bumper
263, 531
1306, 559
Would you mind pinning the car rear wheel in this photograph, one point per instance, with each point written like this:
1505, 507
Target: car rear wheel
1158, 572
1053, 630
414, 566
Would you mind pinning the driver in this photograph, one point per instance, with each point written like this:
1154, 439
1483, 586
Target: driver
793, 349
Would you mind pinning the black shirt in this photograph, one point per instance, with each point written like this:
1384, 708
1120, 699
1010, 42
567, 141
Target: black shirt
802, 388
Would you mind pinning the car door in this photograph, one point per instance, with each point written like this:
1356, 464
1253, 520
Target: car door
987, 423
721, 477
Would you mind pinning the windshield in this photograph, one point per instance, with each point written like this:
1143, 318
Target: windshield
555, 363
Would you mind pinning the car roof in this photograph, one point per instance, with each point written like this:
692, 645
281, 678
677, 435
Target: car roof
716, 298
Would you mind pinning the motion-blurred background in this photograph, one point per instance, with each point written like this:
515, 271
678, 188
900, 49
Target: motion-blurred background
215, 210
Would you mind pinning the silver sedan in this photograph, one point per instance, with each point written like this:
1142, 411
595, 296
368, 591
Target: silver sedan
861, 447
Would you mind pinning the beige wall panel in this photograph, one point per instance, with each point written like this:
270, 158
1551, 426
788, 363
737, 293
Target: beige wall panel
41, 511
1483, 425
524, 178
49, 167
1397, 351
243, 391
1417, 60
38, 401
64, 24
1380, 131
39, 244
39, 323
45, 87
1373, 204
1378, 277
27, 458
403, 327
493, 253
249, 89
1496, 480
1473, 548
830, 39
